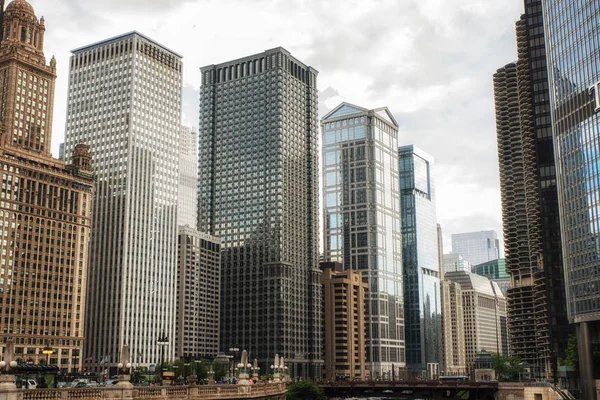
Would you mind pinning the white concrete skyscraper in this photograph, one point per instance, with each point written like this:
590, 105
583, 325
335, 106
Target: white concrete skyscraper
125, 102
187, 196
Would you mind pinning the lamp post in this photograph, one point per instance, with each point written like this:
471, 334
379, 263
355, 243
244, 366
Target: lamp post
233, 350
47, 351
162, 342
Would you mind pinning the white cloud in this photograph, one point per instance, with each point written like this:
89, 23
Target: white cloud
430, 61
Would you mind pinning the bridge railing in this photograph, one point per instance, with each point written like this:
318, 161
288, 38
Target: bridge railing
203, 392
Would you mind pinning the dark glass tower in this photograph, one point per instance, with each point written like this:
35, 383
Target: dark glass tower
573, 38
530, 202
420, 262
258, 192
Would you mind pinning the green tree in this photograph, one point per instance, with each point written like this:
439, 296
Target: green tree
305, 390
220, 370
572, 359
509, 368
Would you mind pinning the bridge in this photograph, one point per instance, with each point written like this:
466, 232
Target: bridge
413, 389
273, 391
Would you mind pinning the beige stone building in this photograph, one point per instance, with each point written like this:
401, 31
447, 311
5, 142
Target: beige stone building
344, 299
483, 309
44, 205
453, 330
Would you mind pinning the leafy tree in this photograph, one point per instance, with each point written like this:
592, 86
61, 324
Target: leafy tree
220, 370
572, 359
305, 390
509, 368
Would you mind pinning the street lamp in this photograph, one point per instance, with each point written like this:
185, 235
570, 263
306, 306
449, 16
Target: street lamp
162, 342
47, 351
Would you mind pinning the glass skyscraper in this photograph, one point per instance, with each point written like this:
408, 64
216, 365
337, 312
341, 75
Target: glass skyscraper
476, 247
258, 192
420, 261
361, 203
125, 102
572, 47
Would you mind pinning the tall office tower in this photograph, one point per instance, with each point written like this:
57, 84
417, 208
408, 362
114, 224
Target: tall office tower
187, 194
484, 312
420, 259
455, 262
345, 329
476, 247
362, 220
45, 207
494, 270
575, 104
258, 192
198, 292
125, 101
530, 202
453, 330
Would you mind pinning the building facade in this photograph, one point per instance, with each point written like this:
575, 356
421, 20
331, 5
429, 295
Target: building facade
362, 221
125, 101
484, 315
454, 361
344, 294
494, 270
476, 247
198, 293
187, 193
258, 193
531, 207
573, 75
455, 262
420, 260
45, 206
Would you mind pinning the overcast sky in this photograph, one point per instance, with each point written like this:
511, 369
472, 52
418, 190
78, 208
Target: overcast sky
429, 61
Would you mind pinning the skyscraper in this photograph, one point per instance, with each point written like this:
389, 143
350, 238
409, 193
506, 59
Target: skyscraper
455, 262
258, 192
125, 101
420, 259
476, 247
530, 202
45, 206
198, 291
362, 220
187, 194
574, 76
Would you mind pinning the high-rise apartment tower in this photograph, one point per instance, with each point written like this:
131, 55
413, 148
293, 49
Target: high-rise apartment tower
362, 221
45, 207
125, 101
530, 202
258, 193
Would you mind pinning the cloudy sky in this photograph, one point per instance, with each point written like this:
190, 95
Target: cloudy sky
430, 61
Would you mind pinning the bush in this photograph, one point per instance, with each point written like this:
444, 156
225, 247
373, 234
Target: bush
305, 390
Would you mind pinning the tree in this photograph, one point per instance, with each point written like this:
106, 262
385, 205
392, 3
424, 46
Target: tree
305, 390
572, 359
220, 370
509, 368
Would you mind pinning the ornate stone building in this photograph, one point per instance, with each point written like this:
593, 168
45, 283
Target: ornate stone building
44, 205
